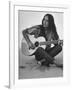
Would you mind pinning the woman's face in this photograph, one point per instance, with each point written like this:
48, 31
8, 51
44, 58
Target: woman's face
46, 22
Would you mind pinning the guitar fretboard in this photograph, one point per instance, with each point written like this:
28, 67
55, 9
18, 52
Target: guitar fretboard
50, 42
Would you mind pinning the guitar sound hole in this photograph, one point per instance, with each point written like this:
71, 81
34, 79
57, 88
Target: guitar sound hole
36, 44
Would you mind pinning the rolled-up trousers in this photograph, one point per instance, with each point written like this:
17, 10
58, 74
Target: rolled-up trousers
48, 54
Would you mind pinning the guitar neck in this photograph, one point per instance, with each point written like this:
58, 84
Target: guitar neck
50, 42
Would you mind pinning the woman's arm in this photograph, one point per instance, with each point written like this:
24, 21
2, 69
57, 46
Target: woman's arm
25, 35
55, 36
32, 31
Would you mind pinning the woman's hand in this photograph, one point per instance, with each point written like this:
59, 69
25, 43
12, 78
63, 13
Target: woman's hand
60, 42
31, 45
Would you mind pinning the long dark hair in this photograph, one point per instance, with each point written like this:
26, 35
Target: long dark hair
51, 25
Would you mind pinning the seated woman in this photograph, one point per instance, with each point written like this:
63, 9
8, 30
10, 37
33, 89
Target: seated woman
48, 30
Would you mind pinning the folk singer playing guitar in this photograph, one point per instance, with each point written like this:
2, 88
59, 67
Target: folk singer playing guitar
47, 31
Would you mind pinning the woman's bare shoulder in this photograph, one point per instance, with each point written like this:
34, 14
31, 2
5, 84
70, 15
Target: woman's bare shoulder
33, 28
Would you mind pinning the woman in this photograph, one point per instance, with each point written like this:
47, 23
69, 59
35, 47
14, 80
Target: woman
48, 31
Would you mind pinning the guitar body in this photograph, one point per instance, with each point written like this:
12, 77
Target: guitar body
25, 48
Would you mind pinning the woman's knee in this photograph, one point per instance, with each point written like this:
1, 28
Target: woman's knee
56, 50
40, 49
58, 47
39, 53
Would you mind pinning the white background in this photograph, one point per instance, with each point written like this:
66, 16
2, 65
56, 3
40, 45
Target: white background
4, 43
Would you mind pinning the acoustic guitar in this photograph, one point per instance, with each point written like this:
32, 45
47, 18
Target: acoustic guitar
38, 42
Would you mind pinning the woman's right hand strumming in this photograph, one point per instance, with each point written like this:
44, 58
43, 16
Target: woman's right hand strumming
31, 45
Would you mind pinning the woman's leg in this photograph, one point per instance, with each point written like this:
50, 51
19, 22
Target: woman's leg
42, 54
47, 54
54, 51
